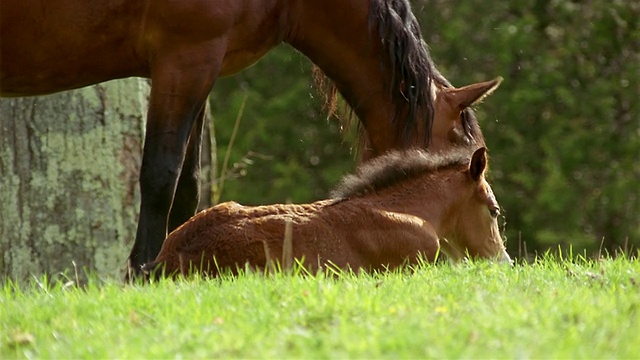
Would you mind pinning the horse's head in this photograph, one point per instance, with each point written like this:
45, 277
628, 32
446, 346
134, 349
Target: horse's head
472, 226
448, 122
454, 123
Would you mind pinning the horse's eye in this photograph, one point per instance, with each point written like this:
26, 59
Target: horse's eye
495, 212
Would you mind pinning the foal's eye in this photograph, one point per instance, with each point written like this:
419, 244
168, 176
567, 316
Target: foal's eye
495, 212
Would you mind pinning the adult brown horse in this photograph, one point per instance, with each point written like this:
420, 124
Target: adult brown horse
399, 206
372, 50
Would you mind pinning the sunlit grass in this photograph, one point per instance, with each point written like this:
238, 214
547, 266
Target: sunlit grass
551, 309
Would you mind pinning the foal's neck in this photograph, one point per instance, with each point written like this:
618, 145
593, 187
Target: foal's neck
430, 197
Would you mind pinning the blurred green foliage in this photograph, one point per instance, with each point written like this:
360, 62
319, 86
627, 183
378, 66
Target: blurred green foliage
563, 129
286, 148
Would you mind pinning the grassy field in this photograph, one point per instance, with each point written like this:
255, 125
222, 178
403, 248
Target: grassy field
550, 309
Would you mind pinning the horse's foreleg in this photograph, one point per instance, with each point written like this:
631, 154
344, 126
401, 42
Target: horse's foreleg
185, 201
180, 86
163, 155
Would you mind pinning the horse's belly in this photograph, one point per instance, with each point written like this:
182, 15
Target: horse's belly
33, 82
59, 45
41, 68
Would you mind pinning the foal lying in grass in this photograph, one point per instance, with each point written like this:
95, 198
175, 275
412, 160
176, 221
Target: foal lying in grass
396, 208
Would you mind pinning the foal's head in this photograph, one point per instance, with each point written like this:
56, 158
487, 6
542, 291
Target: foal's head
472, 225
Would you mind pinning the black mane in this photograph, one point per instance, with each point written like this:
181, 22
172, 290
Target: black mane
413, 70
394, 167
393, 24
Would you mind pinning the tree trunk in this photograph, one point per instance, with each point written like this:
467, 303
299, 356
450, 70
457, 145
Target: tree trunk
69, 166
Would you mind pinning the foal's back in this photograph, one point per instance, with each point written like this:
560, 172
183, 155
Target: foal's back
347, 233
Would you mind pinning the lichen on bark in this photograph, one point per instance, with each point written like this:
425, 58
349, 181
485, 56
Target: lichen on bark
69, 165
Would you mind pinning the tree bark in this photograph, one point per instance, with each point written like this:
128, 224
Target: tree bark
69, 166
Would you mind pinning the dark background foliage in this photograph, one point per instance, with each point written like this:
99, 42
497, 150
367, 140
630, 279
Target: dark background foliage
563, 129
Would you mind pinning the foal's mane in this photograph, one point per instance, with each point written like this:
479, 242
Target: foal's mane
394, 167
406, 55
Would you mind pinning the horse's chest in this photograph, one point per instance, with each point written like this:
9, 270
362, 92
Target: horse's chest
238, 59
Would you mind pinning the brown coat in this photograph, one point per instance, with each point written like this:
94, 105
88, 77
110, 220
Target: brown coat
389, 214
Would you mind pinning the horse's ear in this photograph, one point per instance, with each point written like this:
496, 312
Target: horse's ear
462, 98
478, 163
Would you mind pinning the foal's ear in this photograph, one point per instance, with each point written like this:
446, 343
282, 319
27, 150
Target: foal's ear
462, 98
478, 163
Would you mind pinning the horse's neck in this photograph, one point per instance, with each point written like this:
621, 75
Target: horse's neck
335, 36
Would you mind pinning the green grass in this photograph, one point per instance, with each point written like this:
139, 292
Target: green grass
551, 309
